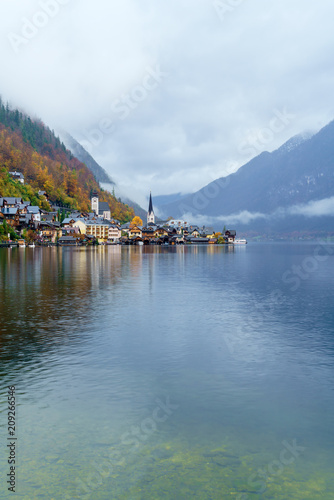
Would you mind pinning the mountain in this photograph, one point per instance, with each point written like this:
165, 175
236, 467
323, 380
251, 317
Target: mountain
99, 173
137, 209
273, 192
79, 152
29, 147
165, 199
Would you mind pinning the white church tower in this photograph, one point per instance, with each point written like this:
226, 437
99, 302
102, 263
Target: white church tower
150, 213
95, 203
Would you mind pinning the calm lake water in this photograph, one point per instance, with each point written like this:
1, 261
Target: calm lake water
169, 373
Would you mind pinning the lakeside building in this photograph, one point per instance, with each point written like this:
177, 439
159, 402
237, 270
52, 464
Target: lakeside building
99, 226
101, 229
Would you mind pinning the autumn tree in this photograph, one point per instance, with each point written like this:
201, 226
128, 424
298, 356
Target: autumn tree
29, 147
136, 221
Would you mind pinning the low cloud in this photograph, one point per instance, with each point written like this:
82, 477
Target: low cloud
317, 208
244, 217
216, 101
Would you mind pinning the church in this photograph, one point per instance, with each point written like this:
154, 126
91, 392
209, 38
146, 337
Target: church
150, 213
101, 208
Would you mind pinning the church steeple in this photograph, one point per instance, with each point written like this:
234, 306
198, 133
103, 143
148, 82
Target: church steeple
150, 213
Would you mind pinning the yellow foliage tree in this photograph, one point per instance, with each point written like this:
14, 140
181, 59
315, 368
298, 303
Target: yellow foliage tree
136, 221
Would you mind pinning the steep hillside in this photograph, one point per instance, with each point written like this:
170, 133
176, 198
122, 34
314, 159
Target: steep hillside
79, 152
29, 147
99, 173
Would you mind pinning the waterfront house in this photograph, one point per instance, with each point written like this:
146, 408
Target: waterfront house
208, 232
194, 233
148, 233
135, 231
160, 232
70, 231
230, 236
99, 228
177, 239
68, 241
49, 232
114, 233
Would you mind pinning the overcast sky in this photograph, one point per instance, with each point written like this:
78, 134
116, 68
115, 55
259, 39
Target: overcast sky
170, 95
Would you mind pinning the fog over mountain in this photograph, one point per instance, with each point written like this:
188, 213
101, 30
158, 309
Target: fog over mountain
289, 189
169, 96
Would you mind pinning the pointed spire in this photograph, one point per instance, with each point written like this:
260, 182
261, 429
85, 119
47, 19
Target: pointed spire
150, 205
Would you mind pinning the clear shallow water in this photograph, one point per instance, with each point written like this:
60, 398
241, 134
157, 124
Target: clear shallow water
172, 373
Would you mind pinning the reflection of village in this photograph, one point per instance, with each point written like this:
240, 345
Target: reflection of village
98, 227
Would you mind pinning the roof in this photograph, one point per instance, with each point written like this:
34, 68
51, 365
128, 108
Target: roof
33, 210
67, 220
47, 225
198, 240
103, 207
96, 222
208, 230
73, 229
17, 174
10, 201
48, 217
9, 210
150, 205
25, 218
68, 238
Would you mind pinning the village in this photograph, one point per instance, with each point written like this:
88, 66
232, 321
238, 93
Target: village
22, 224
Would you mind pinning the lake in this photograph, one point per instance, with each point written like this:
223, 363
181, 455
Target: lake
144, 373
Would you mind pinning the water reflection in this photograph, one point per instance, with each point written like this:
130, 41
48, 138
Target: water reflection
93, 336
